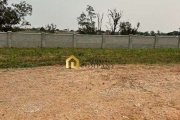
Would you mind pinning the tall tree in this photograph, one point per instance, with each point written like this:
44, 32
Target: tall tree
14, 14
86, 21
100, 19
114, 20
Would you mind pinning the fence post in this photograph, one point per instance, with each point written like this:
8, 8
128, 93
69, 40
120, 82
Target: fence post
9, 39
103, 42
130, 41
74, 40
43, 41
179, 42
155, 41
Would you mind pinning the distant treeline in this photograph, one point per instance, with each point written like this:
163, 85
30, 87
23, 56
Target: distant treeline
42, 29
12, 18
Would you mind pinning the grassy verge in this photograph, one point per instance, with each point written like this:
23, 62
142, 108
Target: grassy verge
32, 57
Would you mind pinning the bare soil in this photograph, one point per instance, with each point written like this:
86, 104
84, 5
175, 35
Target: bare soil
126, 92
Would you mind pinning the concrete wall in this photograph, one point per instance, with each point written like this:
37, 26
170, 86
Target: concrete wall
62, 41
3, 39
167, 42
88, 41
26, 40
10, 39
143, 41
116, 41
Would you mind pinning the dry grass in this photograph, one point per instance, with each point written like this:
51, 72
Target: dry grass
127, 92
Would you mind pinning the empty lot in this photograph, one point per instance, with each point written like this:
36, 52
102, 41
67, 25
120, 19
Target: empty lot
126, 92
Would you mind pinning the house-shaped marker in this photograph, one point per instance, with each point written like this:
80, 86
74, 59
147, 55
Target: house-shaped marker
70, 64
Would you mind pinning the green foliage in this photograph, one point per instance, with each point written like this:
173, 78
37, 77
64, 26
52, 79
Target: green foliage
152, 33
173, 33
86, 21
119, 27
42, 29
146, 33
14, 15
126, 28
50, 28
32, 57
114, 20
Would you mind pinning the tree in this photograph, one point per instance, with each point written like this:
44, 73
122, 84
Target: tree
51, 28
140, 33
158, 32
114, 20
173, 33
100, 19
152, 33
125, 28
42, 29
14, 15
86, 21
146, 33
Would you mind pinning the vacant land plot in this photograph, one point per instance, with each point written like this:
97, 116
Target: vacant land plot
127, 92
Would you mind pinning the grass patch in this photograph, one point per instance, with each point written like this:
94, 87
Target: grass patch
33, 57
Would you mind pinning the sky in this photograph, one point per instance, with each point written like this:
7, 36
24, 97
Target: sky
162, 15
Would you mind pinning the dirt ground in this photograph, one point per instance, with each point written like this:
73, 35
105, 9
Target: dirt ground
126, 92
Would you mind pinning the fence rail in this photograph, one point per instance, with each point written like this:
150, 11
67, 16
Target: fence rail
11, 39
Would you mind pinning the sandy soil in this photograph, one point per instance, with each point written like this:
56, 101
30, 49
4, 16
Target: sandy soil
127, 92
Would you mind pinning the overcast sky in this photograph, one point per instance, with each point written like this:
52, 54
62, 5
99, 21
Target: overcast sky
163, 15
